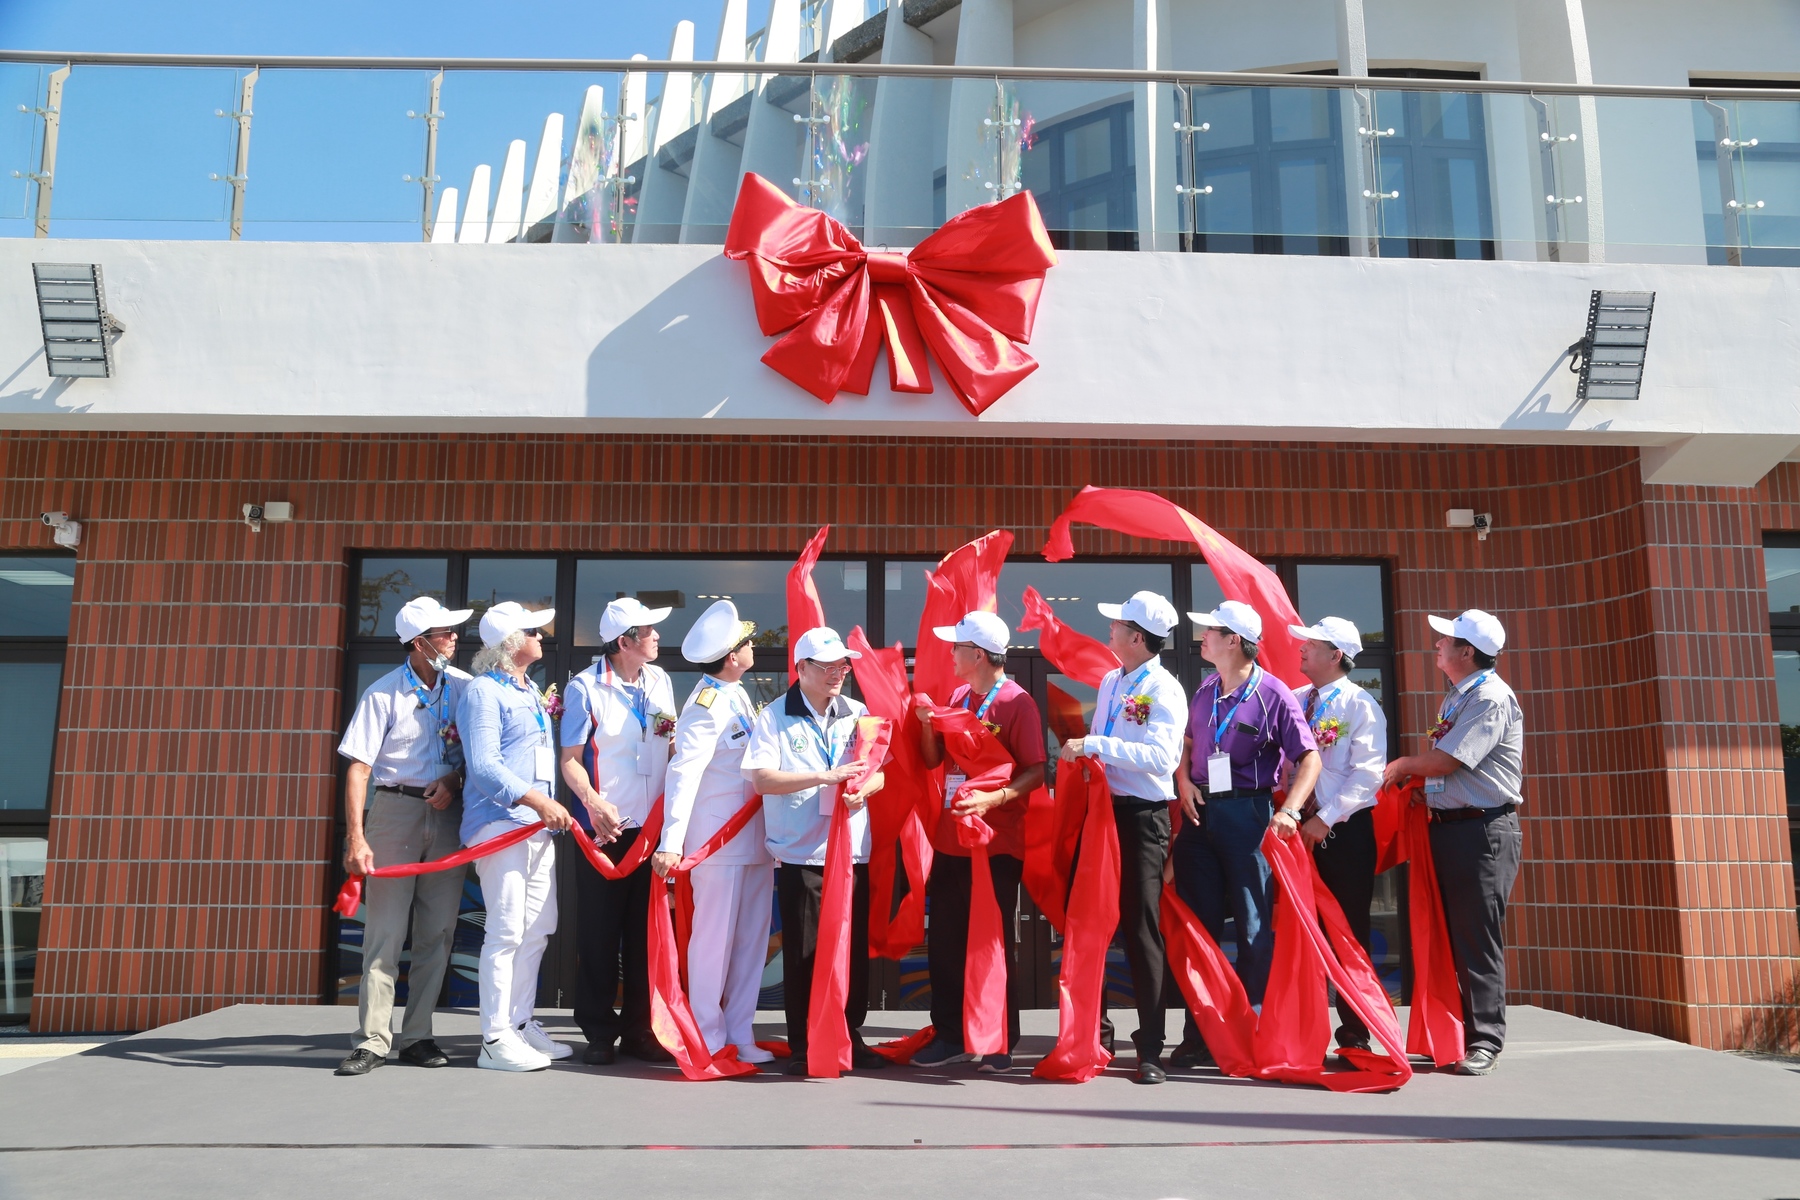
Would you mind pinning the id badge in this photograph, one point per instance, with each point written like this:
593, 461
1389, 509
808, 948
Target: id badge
1218, 772
1435, 784
827, 797
544, 765
951, 784
647, 751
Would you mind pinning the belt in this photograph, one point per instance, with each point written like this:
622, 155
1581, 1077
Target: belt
1237, 794
1444, 816
1127, 798
415, 792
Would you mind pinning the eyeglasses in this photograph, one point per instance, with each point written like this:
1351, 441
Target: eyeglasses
438, 635
841, 667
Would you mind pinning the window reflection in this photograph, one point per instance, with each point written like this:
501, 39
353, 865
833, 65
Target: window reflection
1781, 565
1074, 590
1348, 590
388, 583
28, 700
35, 595
21, 905
529, 581
757, 587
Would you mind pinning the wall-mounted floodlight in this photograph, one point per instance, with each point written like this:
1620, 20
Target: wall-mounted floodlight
78, 331
1610, 359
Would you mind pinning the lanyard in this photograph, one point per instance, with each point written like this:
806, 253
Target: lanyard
1452, 705
1316, 703
1123, 694
440, 711
985, 704
826, 743
731, 692
1249, 688
537, 701
640, 700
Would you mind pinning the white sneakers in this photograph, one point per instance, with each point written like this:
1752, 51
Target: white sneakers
750, 1052
509, 1052
535, 1037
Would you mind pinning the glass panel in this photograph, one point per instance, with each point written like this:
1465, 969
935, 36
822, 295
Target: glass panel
1386, 940
1348, 590
1074, 589
486, 112
386, 584
1787, 693
1076, 154
21, 904
1207, 594
21, 86
905, 600
1068, 713
1087, 151
1301, 114
35, 594
368, 672
1274, 159
758, 587
530, 581
28, 703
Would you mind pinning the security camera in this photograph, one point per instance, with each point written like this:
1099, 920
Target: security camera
253, 517
68, 533
1484, 525
54, 519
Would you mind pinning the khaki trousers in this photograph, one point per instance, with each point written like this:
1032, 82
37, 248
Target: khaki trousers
402, 829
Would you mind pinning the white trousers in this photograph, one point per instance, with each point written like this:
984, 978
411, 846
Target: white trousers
727, 949
519, 887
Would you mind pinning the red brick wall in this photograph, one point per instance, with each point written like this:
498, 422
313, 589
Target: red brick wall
194, 797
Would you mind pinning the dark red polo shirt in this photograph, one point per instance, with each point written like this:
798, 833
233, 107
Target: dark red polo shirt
1022, 733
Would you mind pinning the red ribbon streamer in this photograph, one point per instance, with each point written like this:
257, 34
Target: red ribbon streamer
1073, 653
1240, 575
988, 767
966, 580
1403, 834
827, 1034
671, 1017
1093, 915
805, 612
969, 292
901, 1050
898, 810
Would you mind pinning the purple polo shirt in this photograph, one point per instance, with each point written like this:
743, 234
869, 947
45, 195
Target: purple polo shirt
1265, 728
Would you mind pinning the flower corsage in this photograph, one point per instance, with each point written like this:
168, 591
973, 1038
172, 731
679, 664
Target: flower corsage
1327, 732
1444, 725
662, 724
1137, 710
552, 702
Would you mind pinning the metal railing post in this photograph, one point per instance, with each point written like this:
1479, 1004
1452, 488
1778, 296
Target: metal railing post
45, 175
240, 171
429, 180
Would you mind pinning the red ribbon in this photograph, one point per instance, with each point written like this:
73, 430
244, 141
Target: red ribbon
805, 612
671, 1017
969, 292
988, 767
1403, 834
1093, 915
901, 1050
897, 813
349, 897
827, 1034
966, 579
1240, 575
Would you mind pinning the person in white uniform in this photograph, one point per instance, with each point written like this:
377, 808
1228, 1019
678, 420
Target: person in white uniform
1338, 821
403, 739
511, 755
617, 718
1139, 719
729, 942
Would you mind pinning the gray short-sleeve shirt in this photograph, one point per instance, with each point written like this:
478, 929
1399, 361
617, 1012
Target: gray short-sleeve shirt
1488, 739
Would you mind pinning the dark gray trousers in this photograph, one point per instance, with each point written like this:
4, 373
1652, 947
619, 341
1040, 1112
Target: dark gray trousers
1477, 862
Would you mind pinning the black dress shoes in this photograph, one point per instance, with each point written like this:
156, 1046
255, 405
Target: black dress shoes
424, 1053
864, 1059
1480, 1061
1150, 1071
646, 1048
600, 1054
1189, 1055
796, 1064
360, 1062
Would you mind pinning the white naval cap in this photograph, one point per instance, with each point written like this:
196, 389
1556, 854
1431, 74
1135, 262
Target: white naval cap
1339, 632
628, 612
1146, 610
508, 617
982, 628
1234, 615
716, 634
424, 613
822, 645
1481, 630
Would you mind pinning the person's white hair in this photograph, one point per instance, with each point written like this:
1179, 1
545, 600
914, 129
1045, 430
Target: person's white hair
500, 658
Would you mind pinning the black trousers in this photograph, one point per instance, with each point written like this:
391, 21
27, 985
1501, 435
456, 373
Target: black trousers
1346, 862
1477, 862
799, 891
610, 939
947, 949
1143, 845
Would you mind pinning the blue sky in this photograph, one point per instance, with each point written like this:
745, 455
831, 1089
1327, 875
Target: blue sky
327, 148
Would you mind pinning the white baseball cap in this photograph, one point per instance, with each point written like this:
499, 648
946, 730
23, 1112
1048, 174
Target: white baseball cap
628, 612
424, 613
716, 633
822, 645
1234, 615
983, 628
1481, 630
508, 617
1336, 630
1146, 610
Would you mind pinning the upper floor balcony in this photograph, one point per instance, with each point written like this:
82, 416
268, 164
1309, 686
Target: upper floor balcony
893, 119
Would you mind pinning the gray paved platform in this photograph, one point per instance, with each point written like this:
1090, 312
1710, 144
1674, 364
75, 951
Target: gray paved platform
242, 1102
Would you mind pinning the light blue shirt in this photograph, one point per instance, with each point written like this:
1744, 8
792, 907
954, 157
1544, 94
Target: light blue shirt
790, 735
502, 726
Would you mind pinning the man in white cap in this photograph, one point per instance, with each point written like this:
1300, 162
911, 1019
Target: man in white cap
798, 757
1136, 734
617, 718
706, 788
1243, 724
403, 739
510, 749
1472, 774
978, 648
1338, 822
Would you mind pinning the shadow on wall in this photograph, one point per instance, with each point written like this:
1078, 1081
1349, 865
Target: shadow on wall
1774, 1028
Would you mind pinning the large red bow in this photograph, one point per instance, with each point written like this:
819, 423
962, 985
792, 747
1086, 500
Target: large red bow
969, 292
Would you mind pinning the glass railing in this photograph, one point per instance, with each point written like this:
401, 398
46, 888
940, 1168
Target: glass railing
1132, 161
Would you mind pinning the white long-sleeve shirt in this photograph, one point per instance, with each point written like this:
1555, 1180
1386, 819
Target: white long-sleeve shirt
1140, 757
1350, 767
705, 785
